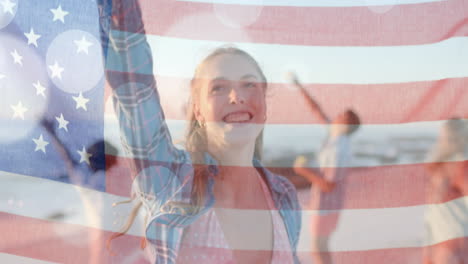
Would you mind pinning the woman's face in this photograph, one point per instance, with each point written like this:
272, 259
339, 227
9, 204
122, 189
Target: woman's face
231, 99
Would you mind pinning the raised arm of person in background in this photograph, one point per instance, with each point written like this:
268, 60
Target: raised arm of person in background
313, 105
66, 156
313, 176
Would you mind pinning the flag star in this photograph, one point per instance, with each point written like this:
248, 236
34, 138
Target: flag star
81, 101
8, 6
62, 122
40, 144
18, 59
56, 70
59, 14
32, 37
83, 45
19, 110
84, 156
39, 88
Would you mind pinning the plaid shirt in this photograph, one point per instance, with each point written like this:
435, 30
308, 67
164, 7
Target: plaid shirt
165, 173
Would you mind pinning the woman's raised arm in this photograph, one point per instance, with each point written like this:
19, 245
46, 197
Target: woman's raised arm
129, 71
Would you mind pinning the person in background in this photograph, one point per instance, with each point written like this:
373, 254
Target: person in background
447, 214
86, 187
333, 158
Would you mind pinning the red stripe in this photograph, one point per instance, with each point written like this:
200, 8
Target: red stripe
35, 238
41, 239
379, 187
363, 188
375, 103
411, 24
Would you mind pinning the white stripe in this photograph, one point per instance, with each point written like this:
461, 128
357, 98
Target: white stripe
315, 3
362, 229
366, 229
14, 259
40, 198
397, 144
316, 64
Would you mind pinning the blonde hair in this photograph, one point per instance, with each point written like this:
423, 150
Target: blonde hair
196, 141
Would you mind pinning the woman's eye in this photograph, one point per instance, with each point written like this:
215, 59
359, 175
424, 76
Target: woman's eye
217, 88
250, 85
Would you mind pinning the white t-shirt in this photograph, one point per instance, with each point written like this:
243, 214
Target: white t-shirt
334, 157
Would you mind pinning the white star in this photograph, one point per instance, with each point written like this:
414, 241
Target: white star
59, 14
83, 45
8, 6
19, 110
40, 144
56, 70
39, 88
62, 122
81, 101
84, 156
17, 58
2, 76
32, 37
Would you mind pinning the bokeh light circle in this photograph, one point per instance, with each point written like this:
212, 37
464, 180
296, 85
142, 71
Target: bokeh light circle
381, 9
6, 16
82, 68
238, 16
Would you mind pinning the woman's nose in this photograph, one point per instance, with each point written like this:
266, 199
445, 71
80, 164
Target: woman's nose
236, 96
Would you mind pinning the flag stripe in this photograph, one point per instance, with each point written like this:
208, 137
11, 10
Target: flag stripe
75, 205
383, 228
64, 243
374, 103
378, 227
13, 259
410, 24
74, 227
317, 3
378, 187
389, 144
361, 189
59, 250
56, 249
384, 256
326, 65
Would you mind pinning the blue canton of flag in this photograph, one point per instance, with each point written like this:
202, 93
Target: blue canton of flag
52, 95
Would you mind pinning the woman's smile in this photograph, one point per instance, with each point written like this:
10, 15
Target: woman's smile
238, 117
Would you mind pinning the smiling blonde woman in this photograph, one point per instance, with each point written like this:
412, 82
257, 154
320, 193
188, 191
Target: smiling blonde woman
213, 201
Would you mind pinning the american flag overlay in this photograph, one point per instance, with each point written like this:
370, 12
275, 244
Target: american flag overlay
401, 65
